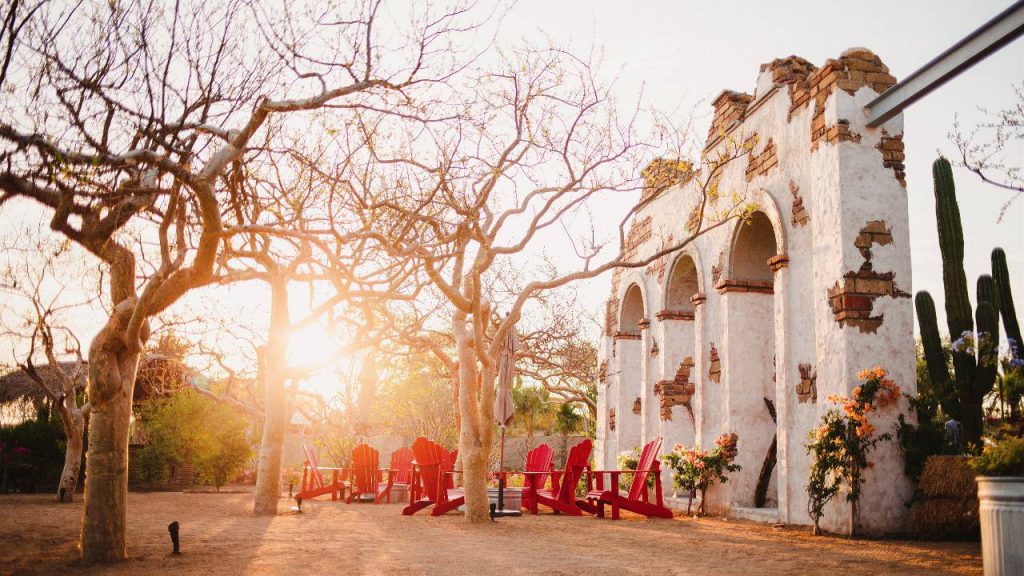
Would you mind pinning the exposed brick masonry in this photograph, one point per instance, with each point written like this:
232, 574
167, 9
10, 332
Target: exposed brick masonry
730, 107
715, 366
891, 148
855, 69
853, 298
761, 163
807, 388
676, 392
800, 215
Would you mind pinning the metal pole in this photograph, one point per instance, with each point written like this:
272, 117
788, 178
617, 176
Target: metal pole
501, 475
1006, 27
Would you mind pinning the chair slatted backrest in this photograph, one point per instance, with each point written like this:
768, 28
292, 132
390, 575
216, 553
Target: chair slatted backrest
575, 463
648, 458
314, 466
453, 457
401, 463
365, 468
433, 461
539, 460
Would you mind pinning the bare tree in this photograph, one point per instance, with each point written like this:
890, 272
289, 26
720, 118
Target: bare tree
985, 150
138, 118
538, 142
36, 282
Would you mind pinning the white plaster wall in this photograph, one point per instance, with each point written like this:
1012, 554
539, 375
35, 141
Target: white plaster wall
627, 424
747, 373
843, 186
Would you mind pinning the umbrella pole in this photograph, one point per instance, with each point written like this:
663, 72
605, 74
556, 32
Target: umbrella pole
501, 472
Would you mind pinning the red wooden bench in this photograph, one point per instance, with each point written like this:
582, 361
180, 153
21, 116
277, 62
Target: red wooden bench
638, 498
561, 497
432, 482
313, 482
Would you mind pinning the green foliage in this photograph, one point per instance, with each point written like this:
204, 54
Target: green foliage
534, 409
229, 448
567, 419
37, 443
1004, 458
696, 470
629, 460
973, 354
928, 436
415, 398
189, 427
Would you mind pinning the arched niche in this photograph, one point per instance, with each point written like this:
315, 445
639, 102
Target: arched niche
754, 244
632, 309
682, 285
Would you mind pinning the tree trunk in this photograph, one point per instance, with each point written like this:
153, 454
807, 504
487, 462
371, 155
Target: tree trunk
765, 477
474, 434
112, 371
74, 427
973, 417
268, 474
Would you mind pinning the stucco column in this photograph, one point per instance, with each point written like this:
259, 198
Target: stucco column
627, 423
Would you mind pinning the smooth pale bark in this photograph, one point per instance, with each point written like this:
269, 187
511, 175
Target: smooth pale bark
112, 370
476, 430
74, 427
268, 474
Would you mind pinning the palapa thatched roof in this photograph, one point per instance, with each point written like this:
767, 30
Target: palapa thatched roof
158, 374
16, 385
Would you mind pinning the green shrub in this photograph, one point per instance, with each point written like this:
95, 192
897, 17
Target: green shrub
39, 444
187, 427
1004, 458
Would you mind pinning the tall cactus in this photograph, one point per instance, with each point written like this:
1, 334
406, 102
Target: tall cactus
975, 367
1002, 277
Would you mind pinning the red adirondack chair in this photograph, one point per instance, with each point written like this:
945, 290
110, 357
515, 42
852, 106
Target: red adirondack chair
432, 484
561, 497
638, 498
536, 472
366, 476
401, 463
313, 482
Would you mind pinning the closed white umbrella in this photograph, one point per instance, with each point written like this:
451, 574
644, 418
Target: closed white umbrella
504, 409
504, 405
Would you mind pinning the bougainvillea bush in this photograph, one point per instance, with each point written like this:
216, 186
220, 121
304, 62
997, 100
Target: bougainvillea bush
840, 446
695, 470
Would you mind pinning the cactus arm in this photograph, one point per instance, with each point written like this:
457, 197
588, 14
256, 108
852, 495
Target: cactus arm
951, 244
1001, 275
988, 365
935, 356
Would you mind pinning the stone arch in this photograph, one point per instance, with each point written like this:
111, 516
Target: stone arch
633, 308
767, 212
757, 249
683, 283
753, 245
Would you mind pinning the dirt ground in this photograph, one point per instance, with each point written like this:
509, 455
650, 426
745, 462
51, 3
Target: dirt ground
220, 536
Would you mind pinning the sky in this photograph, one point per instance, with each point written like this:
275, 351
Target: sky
680, 54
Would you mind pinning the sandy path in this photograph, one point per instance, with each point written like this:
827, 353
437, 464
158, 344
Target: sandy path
220, 537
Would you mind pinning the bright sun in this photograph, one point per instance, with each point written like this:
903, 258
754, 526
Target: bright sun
315, 346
